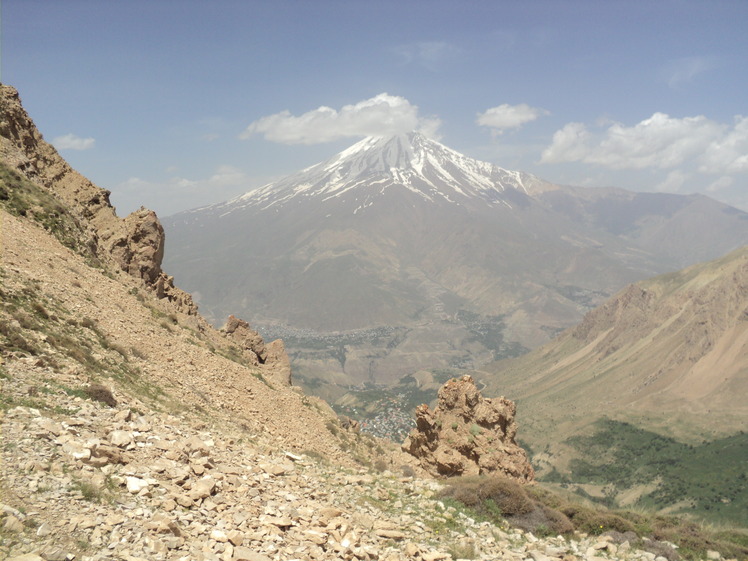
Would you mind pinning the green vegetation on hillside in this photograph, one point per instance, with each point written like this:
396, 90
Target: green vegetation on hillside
489, 332
33, 324
709, 480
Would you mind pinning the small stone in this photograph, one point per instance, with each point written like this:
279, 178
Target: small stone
219, 536
54, 554
120, 438
281, 522
26, 557
13, 524
235, 537
44, 530
412, 549
168, 505
246, 554
390, 534
277, 469
135, 485
203, 488
318, 538
123, 416
293, 457
173, 542
76, 450
185, 501
327, 514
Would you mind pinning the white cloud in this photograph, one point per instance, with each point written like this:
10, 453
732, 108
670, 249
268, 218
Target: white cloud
227, 175
728, 153
73, 142
180, 193
660, 142
570, 144
381, 115
507, 116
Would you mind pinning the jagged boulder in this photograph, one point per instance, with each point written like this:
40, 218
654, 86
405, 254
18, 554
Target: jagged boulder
247, 338
467, 434
278, 362
181, 301
145, 240
272, 355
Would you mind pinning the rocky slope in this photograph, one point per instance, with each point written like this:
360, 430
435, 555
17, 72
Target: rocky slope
97, 483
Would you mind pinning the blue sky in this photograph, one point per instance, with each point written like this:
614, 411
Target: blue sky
177, 104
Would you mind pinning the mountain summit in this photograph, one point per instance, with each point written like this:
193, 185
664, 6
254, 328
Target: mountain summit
400, 253
411, 161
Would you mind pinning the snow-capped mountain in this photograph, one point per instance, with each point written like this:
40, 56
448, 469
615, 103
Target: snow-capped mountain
439, 258
411, 161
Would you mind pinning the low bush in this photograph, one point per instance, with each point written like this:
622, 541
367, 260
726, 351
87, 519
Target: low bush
97, 392
497, 498
507, 495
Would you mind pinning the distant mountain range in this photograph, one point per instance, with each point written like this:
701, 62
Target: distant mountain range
400, 253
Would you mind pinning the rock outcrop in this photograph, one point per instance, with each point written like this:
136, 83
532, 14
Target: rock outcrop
467, 434
145, 241
272, 355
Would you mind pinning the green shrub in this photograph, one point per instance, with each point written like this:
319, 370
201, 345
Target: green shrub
594, 521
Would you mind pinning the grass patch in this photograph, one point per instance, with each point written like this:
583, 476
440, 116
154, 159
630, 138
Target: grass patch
709, 477
90, 492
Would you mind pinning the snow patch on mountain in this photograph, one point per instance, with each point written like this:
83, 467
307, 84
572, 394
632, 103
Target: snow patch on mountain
409, 161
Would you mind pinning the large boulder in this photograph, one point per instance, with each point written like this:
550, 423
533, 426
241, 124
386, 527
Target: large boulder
467, 434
